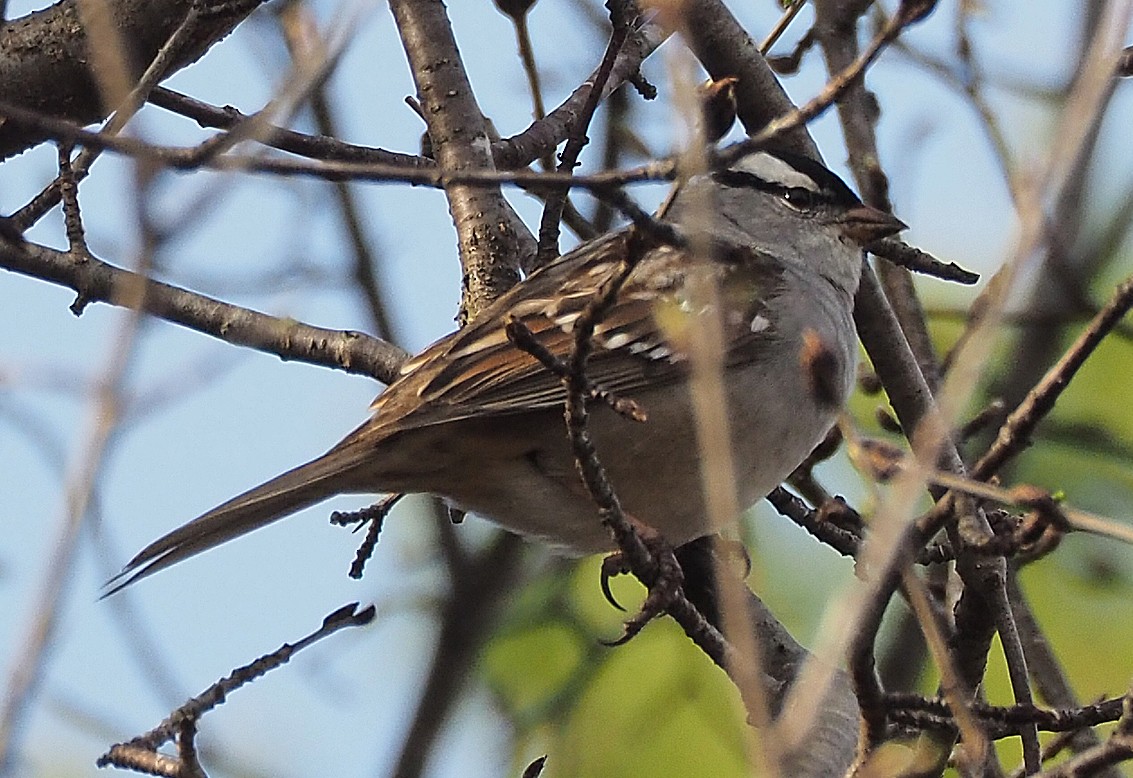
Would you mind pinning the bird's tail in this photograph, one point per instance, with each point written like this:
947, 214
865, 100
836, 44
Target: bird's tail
283, 495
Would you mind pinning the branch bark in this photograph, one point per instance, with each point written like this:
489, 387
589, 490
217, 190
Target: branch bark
493, 241
46, 63
95, 281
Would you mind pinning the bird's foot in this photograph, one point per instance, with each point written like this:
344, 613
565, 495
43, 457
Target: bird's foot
662, 576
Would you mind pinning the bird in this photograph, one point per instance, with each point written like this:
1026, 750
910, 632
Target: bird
478, 421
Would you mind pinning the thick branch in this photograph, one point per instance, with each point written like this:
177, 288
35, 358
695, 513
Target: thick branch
95, 281
45, 61
490, 243
725, 49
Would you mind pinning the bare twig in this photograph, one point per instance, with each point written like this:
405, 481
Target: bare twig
141, 753
46, 57
556, 199
1016, 431
900, 253
781, 25
182, 37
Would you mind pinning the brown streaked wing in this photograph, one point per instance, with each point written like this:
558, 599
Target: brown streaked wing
478, 371
541, 288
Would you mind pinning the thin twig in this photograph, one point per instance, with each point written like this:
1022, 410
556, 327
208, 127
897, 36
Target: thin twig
141, 752
781, 26
166, 56
1016, 431
556, 199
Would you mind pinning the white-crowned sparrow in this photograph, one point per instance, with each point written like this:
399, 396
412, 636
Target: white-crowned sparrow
479, 422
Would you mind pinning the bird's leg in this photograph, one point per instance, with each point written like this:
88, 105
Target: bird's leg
662, 576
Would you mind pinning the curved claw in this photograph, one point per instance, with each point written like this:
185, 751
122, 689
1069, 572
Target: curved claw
650, 609
612, 566
605, 583
664, 589
625, 638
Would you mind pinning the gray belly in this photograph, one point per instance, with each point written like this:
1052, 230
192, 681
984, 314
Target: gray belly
536, 490
527, 481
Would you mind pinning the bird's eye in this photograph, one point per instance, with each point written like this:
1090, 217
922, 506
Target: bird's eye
799, 197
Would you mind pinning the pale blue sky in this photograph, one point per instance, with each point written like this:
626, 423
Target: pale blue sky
340, 708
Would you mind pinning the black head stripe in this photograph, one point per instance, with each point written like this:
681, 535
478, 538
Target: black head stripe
806, 177
823, 176
739, 179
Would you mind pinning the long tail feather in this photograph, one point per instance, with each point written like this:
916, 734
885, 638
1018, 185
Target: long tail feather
283, 495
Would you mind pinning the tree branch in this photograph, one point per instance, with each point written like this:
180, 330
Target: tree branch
493, 242
45, 62
95, 281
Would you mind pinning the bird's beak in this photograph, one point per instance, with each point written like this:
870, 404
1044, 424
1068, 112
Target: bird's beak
864, 224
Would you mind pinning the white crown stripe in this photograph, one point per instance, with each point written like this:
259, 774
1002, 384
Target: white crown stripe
775, 171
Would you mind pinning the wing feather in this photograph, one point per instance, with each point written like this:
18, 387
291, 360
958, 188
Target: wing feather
478, 371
